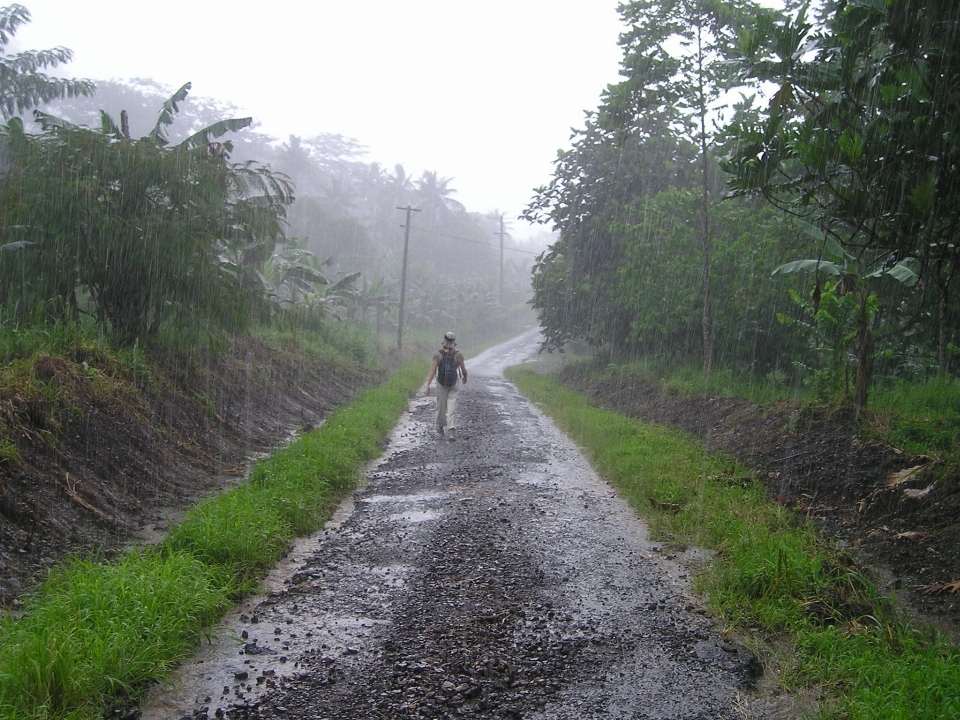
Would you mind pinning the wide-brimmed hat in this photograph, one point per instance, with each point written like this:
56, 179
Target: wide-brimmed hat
449, 339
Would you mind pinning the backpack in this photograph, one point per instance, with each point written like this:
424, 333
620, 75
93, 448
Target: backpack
448, 369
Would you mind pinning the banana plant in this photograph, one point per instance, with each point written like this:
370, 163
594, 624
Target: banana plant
327, 302
295, 274
159, 135
374, 294
852, 279
150, 230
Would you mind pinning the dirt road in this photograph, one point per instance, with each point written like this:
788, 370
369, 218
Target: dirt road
491, 577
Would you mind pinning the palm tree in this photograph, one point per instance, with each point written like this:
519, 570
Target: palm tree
401, 184
434, 194
296, 160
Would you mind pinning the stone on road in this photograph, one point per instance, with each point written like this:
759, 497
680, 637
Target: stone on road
492, 577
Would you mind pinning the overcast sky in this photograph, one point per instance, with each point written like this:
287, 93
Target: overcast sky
482, 91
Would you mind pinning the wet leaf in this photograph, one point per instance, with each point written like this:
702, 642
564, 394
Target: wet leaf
913, 535
937, 588
905, 474
915, 494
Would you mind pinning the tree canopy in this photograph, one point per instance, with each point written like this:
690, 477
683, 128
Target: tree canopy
23, 84
855, 154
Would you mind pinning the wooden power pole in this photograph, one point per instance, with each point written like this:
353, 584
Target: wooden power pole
501, 261
403, 274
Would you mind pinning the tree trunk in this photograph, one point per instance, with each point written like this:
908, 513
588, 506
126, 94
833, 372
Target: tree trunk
942, 321
706, 320
864, 353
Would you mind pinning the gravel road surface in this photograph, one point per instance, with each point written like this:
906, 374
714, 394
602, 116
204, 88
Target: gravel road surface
491, 577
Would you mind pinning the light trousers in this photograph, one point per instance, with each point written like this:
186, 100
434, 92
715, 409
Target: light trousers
447, 405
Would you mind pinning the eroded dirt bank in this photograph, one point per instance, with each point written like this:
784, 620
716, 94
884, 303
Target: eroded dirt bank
812, 459
104, 455
491, 577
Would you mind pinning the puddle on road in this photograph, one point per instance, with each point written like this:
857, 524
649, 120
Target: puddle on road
415, 516
413, 498
392, 575
254, 644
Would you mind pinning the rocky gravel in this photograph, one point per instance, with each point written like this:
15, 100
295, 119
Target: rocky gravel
491, 577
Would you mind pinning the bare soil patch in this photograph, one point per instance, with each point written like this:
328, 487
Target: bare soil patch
813, 460
106, 456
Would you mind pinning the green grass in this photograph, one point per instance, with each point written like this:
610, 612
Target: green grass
80, 341
882, 672
328, 339
772, 573
684, 377
291, 493
95, 635
920, 418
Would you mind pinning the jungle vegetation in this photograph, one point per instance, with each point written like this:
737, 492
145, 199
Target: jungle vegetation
776, 192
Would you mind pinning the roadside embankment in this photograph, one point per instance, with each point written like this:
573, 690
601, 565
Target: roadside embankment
93, 636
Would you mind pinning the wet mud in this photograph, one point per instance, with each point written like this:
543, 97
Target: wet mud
491, 577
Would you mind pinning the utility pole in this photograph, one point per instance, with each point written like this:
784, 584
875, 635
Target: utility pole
403, 274
501, 260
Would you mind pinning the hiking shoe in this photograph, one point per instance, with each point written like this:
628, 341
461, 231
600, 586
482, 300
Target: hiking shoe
440, 430
452, 434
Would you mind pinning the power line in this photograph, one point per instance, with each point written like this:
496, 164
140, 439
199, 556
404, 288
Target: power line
348, 167
475, 242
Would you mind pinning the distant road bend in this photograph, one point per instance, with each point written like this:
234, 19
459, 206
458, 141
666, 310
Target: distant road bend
492, 577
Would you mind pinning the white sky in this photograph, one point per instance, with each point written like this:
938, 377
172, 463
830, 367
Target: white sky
481, 91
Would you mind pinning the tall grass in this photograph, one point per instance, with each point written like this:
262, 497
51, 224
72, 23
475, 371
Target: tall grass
770, 570
95, 635
921, 418
684, 377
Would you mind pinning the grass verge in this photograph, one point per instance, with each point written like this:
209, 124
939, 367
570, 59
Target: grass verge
773, 574
922, 418
94, 635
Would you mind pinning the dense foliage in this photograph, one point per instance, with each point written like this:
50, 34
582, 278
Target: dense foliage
861, 140
850, 173
134, 230
23, 84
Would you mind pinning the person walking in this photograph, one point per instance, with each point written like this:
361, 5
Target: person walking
447, 367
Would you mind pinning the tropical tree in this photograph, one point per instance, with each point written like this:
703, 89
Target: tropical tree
434, 196
651, 133
862, 137
23, 85
339, 238
692, 80
297, 161
137, 231
851, 281
595, 184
